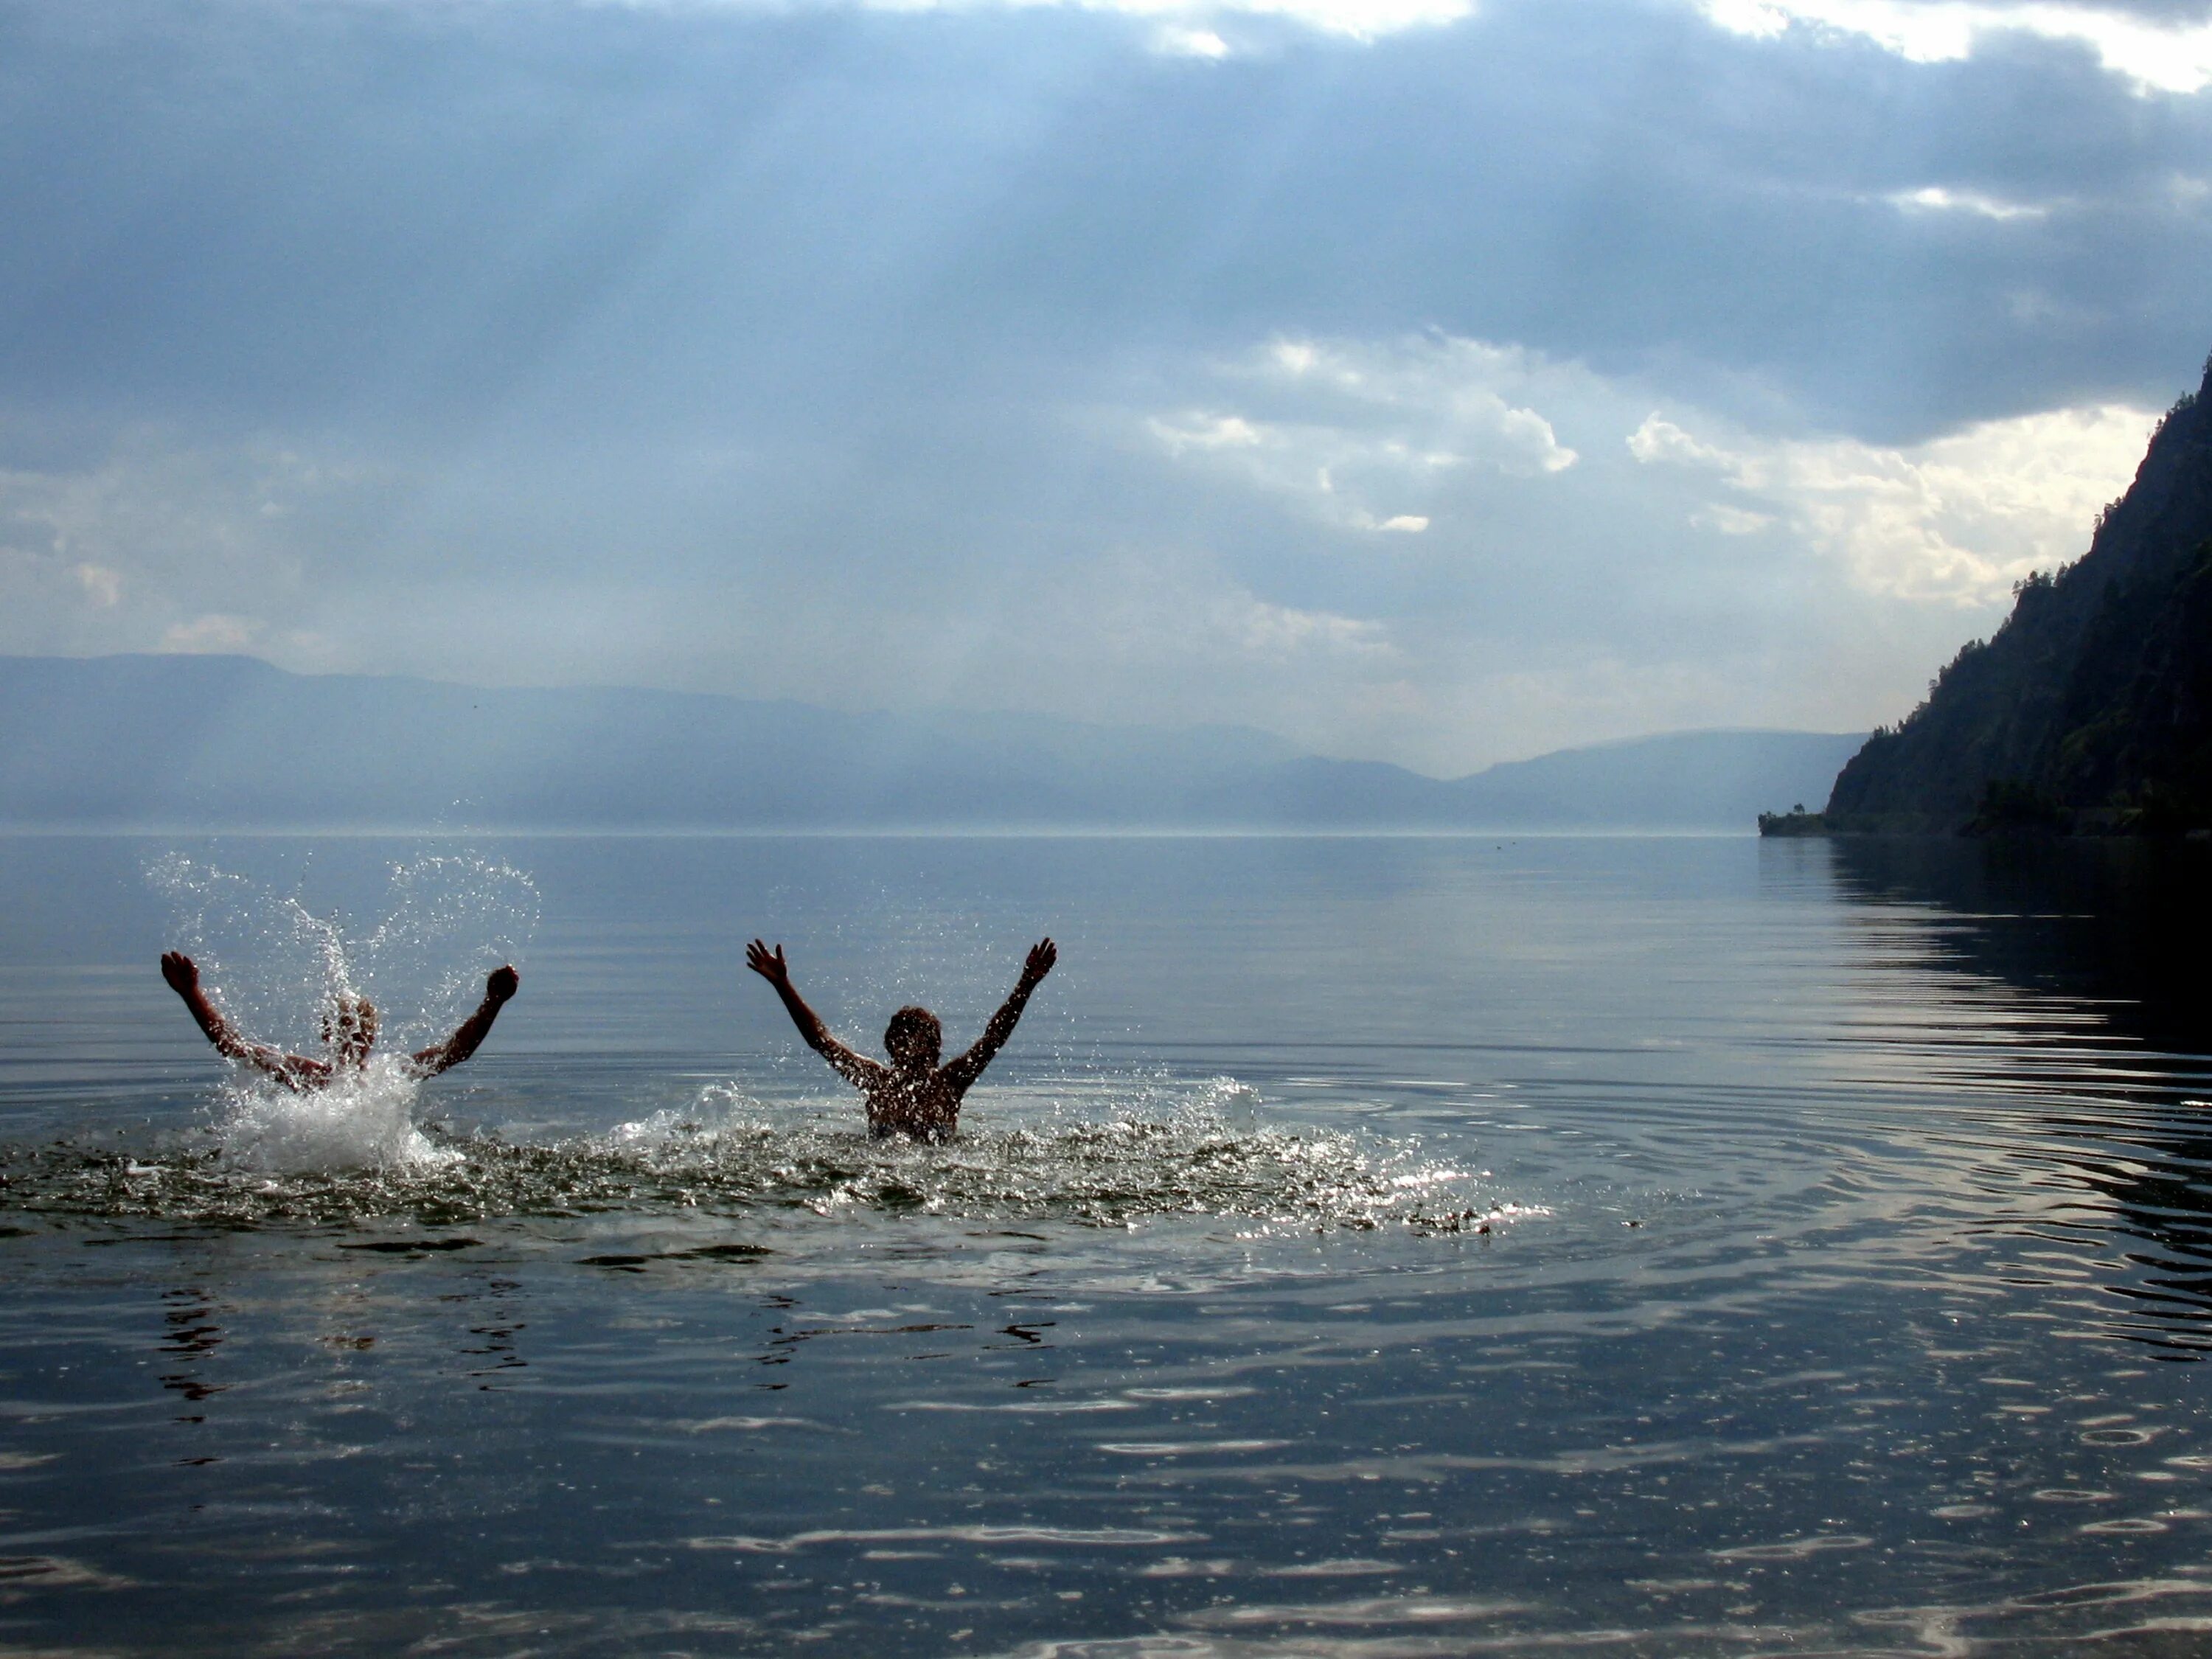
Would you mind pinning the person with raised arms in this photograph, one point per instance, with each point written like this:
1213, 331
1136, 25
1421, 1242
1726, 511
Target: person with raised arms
348, 1029
914, 1095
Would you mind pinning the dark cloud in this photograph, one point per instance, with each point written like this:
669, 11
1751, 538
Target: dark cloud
700, 217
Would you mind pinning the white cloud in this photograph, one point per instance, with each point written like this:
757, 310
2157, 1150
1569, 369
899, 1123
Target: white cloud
1437, 383
1730, 521
1359, 433
1936, 198
1661, 440
1178, 40
1957, 520
1665, 568
1278, 630
2163, 57
212, 633
103, 586
163, 545
1562, 564
2157, 58
1332, 471
1190, 26
1198, 431
1168, 610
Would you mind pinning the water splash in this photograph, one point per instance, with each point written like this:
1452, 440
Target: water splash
1112, 1152
733, 1156
278, 966
364, 1120
279, 969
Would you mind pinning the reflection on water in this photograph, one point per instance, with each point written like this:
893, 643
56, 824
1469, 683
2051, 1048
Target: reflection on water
1858, 1210
2111, 1039
2119, 926
192, 1337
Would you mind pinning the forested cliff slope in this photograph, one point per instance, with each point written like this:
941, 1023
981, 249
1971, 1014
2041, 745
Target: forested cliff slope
2091, 707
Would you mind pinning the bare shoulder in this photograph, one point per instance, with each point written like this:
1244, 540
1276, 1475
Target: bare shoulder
862, 1072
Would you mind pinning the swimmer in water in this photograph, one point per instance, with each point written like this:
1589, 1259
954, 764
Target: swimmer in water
914, 1094
349, 1028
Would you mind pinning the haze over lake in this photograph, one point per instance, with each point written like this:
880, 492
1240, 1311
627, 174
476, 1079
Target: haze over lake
197, 743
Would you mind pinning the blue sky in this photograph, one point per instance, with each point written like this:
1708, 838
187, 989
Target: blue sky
1423, 380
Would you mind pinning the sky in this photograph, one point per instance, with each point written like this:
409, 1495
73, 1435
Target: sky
1436, 381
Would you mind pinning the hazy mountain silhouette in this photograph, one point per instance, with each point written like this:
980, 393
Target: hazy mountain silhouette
232, 743
2091, 707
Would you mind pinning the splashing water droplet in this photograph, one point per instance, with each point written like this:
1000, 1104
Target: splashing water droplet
283, 973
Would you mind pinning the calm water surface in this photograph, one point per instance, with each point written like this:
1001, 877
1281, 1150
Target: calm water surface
1365, 1247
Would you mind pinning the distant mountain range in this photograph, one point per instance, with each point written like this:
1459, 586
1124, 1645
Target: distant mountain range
229, 743
2091, 707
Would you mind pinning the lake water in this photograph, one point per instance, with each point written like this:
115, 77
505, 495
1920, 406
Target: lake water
1365, 1247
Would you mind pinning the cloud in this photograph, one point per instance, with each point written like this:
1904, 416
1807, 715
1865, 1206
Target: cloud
1957, 520
1203, 432
1049, 358
1188, 31
1117, 563
1730, 521
2161, 43
1171, 611
103, 586
1352, 432
1454, 388
156, 543
1177, 40
1280, 631
2166, 48
698, 219
212, 633
1935, 198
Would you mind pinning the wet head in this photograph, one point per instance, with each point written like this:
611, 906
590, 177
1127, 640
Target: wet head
349, 1028
914, 1039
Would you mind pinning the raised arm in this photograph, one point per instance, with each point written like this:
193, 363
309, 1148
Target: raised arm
856, 1069
961, 1072
293, 1071
499, 985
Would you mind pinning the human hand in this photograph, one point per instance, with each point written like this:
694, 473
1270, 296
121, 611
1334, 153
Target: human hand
768, 964
1042, 955
182, 973
500, 984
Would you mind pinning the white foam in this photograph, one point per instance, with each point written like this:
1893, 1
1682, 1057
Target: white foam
720, 1109
1234, 1105
364, 1120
